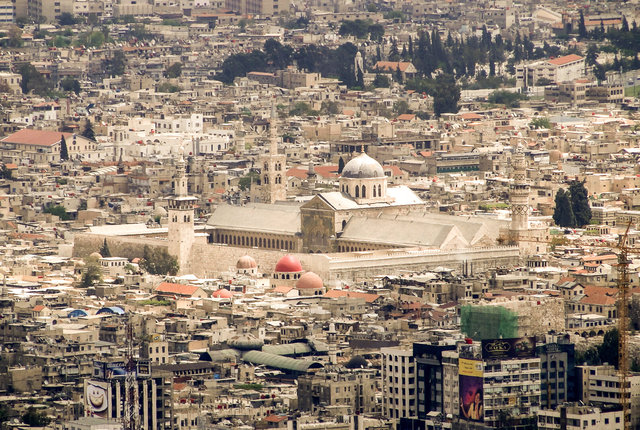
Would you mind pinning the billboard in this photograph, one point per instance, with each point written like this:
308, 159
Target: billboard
97, 396
470, 390
115, 369
518, 347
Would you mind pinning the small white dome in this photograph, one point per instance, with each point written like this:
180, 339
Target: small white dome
361, 167
160, 211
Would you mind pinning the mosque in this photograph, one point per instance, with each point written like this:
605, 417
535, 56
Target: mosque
365, 227
365, 214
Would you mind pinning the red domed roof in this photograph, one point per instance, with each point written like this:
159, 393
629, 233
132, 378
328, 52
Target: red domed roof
246, 262
222, 294
309, 281
288, 264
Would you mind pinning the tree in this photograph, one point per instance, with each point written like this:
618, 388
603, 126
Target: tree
32, 80
59, 211
634, 312
104, 249
5, 172
381, 81
608, 350
340, 165
582, 29
66, 18
592, 54
599, 72
64, 151
174, 70
507, 98
445, 95
92, 273
329, 107
157, 261
580, 202
398, 75
394, 54
116, 64
33, 418
540, 123
15, 36
401, 107
563, 213
245, 182
70, 84
88, 130
543, 82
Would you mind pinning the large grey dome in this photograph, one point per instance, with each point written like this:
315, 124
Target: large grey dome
362, 166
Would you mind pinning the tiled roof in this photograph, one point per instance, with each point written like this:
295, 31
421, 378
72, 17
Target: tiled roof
598, 299
560, 61
392, 66
179, 289
369, 298
27, 136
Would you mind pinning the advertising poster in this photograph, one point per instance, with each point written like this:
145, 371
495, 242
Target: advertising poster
470, 386
116, 369
519, 347
96, 398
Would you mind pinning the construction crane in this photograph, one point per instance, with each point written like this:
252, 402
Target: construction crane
622, 284
130, 409
623, 324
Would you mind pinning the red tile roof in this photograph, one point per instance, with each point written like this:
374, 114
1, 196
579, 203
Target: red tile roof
27, 136
395, 170
369, 298
592, 290
327, 171
392, 66
561, 61
275, 418
406, 117
179, 289
282, 289
470, 115
297, 173
598, 299
38, 308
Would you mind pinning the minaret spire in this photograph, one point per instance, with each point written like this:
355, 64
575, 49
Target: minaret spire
181, 177
519, 193
273, 131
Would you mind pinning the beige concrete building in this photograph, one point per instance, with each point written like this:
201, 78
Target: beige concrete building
355, 389
556, 70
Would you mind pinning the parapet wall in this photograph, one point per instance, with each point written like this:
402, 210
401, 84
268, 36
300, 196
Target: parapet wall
120, 246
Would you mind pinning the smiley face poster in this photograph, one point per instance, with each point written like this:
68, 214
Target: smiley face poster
96, 398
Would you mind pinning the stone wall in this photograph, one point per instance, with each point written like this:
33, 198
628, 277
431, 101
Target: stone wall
208, 260
120, 246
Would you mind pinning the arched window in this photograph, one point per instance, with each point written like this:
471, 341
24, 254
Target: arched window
379, 190
260, 242
265, 180
357, 191
374, 191
278, 179
242, 240
364, 191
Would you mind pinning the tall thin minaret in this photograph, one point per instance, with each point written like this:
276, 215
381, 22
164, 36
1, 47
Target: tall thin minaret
273, 180
519, 194
181, 214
